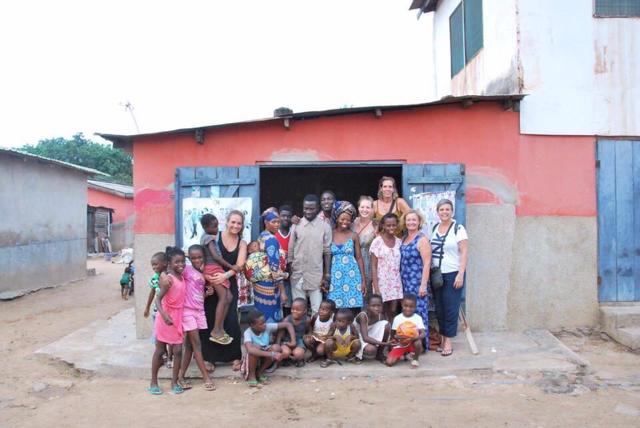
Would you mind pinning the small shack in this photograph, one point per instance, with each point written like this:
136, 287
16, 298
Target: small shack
43, 232
528, 201
109, 215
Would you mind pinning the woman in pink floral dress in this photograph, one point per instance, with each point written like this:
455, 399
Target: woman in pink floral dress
385, 265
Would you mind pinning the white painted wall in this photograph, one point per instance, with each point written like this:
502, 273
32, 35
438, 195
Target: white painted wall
581, 72
494, 68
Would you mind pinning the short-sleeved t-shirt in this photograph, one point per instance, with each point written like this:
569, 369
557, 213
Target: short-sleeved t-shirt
194, 281
204, 241
154, 284
261, 340
414, 319
450, 254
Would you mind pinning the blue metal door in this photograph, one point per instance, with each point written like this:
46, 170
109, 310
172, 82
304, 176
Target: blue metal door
227, 182
420, 178
618, 220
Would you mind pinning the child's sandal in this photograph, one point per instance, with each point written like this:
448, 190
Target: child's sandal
264, 380
415, 364
225, 339
209, 386
184, 384
177, 389
326, 363
154, 390
253, 383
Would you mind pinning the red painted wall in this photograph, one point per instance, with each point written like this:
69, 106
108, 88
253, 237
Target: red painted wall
547, 175
124, 208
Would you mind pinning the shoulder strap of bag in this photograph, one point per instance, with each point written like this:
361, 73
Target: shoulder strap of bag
393, 205
444, 239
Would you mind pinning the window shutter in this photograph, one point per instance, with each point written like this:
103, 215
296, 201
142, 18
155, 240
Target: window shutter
456, 37
617, 8
472, 28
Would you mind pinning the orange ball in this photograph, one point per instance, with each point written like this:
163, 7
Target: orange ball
408, 329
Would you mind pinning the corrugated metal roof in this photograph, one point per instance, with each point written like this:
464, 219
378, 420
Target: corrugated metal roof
25, 155
114, 188
118, 139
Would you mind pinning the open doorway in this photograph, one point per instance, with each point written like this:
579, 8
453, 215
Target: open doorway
288, 184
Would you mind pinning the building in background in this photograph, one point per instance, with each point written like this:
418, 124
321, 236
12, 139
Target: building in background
576, 63
110, 214
528, 201
43, 233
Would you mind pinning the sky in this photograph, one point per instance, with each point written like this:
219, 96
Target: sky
72, 66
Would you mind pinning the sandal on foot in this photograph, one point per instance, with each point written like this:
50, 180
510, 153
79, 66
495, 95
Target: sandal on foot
209, 386
446, 352
263, 379
184, 384
253, 383
225, 339
415, 364
154, 390
357, 361
169, 364
300, 363
326, 363
177, 389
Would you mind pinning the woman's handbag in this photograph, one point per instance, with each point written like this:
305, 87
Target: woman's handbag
435, 278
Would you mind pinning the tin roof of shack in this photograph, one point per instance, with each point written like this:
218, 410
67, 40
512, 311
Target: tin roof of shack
509, 101
19, 154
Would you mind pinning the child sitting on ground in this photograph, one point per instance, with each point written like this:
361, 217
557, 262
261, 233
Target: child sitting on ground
213, 266
320, 326
374, 330
407, 333
298, 318
261, 353
343, 339
257, 266
158, 264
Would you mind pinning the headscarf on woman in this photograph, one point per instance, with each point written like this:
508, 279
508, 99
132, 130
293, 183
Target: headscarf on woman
340, 207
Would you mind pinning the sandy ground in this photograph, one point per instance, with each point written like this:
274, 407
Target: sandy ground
37, 392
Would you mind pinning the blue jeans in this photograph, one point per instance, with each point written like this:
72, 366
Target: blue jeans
447, 300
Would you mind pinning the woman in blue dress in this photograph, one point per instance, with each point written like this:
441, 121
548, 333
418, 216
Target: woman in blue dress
267, 294
347, 287
415, 263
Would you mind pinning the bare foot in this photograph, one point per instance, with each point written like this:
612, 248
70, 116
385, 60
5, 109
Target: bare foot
237, 365
210, 367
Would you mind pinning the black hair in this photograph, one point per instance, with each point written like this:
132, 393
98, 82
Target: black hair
311, 198
160, 256
196, 247
329, 192
411, 297
285, 208
345, 312
301, 300
254, 316
387, 216
331, 303
171, 252
207, 219
370, 297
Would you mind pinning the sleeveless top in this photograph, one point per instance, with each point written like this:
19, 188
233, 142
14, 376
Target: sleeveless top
321, 328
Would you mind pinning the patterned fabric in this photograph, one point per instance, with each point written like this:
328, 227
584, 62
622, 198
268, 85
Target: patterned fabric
366, 237
389, 281
340, 207
346, 279
411, 272
266, 293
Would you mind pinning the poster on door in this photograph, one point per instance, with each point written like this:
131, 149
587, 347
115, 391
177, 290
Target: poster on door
426, 203
194, 208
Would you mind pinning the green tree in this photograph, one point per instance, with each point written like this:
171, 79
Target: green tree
81, 151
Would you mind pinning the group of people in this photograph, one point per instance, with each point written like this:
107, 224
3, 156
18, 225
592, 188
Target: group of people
339, 282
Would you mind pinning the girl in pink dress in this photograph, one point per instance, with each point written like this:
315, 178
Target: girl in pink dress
168, 325
385, 265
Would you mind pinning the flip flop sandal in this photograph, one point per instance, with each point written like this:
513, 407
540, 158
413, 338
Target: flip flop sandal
446, 353
264, 380
154, 390
185, 384
300, 363
169, 364
209, 386
253, 383
357, 361
225, 339
415, 364
177, 389
326, 363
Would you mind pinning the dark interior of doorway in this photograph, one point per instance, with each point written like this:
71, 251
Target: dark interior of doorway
289, 185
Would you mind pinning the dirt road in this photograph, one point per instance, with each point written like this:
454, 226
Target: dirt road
36, 392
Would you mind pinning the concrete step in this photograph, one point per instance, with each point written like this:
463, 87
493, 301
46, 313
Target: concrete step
628, 336
612, 317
